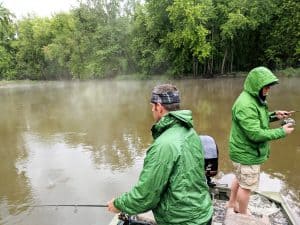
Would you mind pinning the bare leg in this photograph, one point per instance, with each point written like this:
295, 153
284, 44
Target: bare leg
232, 203
243, 196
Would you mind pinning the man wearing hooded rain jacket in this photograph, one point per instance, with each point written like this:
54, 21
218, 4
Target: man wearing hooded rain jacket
250, 134
172, 183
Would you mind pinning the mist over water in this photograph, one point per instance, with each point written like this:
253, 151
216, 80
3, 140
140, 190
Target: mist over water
84, 143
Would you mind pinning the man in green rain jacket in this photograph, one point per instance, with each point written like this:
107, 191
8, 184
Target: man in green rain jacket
250, 133
172, 183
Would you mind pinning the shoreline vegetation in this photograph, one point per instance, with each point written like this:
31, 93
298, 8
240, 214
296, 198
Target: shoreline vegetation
178, 38
289, 72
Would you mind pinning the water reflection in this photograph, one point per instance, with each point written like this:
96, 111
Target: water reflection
14, 188
84, 142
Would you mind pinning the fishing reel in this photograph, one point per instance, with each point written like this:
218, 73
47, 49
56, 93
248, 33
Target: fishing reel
125, 219
288, 120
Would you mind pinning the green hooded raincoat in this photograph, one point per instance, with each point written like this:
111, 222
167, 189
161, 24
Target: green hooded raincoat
250, 131
172, 183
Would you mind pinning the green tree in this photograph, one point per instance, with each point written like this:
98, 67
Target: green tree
282, 36
62, 47
33, 35
189, 20
99, 32
237, 28
7, 52
104, 38
151, 23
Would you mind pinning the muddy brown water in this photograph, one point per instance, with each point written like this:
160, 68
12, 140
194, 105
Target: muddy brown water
84, 143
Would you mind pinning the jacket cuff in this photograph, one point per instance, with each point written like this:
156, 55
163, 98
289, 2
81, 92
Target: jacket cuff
273, 117
118, 204
284, 134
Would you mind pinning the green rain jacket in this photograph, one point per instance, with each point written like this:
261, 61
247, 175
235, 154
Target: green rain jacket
250, 131
172, 183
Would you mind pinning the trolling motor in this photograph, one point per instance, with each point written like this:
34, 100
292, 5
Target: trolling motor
125, 219
211, 154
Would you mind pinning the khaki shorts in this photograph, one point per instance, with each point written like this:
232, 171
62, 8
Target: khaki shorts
247, 175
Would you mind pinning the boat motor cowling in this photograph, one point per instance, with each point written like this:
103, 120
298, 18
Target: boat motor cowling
211, 154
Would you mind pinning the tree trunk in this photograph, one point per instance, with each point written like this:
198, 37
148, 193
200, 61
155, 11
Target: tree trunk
194, 67
212, 53
231, 63
212, 64
223, 62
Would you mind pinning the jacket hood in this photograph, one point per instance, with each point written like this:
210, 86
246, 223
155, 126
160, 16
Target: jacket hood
257, 79
184, 116
180, 116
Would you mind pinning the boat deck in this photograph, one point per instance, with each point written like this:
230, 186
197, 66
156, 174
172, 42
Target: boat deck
266, 208
259, 216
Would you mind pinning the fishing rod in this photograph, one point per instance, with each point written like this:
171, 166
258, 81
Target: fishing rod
69, 205
291, 112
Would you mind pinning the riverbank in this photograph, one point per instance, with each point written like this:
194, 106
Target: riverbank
288, 72
4, 83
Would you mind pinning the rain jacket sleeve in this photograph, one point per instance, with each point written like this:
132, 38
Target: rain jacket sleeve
145, 195
273, 117
250, 124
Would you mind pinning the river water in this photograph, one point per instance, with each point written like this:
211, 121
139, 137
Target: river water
84, 143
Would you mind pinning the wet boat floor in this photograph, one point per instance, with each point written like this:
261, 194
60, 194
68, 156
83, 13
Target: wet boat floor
263, 212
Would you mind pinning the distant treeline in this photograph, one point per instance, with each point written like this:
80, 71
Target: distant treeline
103, 39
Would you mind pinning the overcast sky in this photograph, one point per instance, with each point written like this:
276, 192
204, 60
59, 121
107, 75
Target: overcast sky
39, 7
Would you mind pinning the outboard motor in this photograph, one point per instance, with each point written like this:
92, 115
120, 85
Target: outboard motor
211, 154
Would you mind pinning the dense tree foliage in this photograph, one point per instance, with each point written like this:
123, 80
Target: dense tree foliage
7, 51
100, 39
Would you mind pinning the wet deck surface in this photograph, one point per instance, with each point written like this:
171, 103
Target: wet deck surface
239, 219
263, 212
